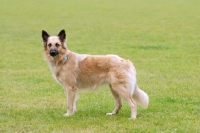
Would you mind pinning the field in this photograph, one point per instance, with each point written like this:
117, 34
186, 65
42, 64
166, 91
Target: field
161, 38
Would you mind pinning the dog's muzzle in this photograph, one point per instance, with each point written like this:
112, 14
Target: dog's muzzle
53, 52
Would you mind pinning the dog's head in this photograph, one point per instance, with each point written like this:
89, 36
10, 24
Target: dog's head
53, 45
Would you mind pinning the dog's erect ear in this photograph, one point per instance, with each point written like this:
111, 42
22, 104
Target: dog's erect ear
45, 36
62, 35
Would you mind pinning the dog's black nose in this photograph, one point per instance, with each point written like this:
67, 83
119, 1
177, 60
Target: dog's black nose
53, 52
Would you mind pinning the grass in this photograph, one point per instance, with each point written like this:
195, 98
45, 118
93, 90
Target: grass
160, 37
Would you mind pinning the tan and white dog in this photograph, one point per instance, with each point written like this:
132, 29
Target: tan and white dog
77, 71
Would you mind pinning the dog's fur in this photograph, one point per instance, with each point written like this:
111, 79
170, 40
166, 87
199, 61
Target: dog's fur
76, 71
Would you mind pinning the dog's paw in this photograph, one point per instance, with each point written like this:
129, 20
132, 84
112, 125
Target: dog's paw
109, 114
67, 114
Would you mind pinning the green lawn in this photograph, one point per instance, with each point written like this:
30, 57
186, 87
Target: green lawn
162, 38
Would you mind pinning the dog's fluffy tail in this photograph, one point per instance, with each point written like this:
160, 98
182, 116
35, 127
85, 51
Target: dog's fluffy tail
141, 97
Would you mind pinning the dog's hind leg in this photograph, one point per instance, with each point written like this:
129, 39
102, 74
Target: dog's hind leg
71, 100
118, 102
133, 106
125, 93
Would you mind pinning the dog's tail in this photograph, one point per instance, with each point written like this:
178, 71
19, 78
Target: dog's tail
141, 97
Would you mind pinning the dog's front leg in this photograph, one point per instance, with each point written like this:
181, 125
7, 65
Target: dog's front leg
71, 100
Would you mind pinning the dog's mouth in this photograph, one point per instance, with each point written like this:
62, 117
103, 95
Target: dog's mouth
53, 53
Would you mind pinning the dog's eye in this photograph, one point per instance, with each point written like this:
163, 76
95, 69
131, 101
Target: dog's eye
49, 45
57, 45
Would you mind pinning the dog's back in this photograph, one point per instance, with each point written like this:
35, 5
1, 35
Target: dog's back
94, 70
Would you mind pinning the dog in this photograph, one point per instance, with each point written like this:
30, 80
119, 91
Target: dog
81, 71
